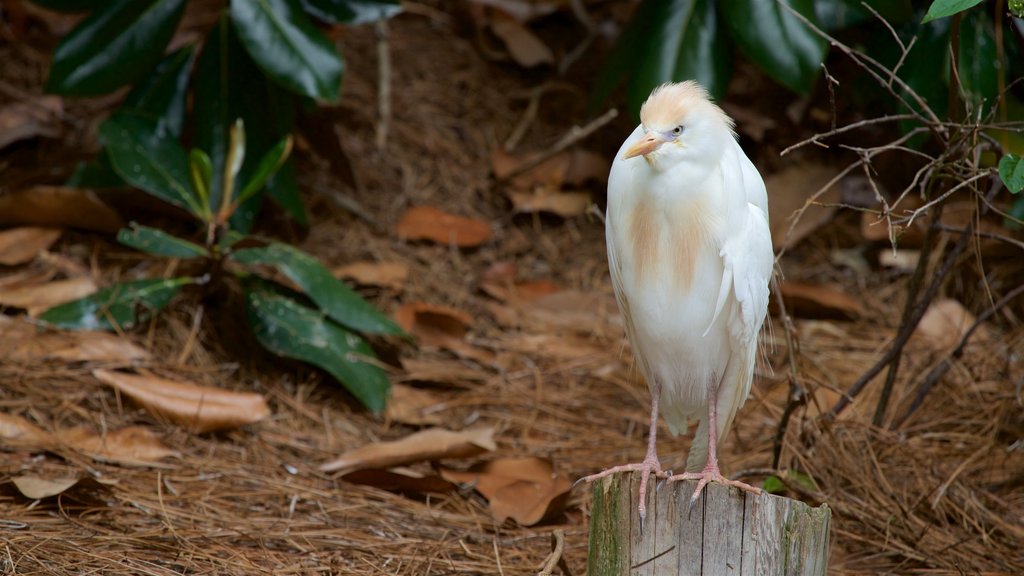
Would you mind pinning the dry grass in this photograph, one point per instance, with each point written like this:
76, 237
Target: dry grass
942, 494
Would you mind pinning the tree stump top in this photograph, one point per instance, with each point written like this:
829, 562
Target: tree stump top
727, 533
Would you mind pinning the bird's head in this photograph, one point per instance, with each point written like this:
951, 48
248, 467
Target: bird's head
679, 124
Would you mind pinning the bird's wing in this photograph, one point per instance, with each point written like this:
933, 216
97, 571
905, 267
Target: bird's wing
615, 269
747, 261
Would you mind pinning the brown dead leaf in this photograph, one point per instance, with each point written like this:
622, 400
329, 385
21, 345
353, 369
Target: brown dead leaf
198, 408
132, 445
945, 322
525, 10
426, 445
788, 191
528, 490
23, 120
17, 431
429, 223
24, 341
439, 372
410, 405
400, 480
40, 298
564, 204
819, 301
391, 275
875, 229
21, 245
37, 488
520, 292
523, 45
559, 346
431, 321
573, 167
59, 206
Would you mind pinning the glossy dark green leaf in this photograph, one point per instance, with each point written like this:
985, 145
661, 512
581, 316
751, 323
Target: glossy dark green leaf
97, 173
840, 14
667, 41
149, 158
352, 12
159, 243
162, 94
1011, 171
228, 86
288, 47
119, 306
284, 191
292, 330
336, 299
978, 57
117, 44
944, 8
776, 40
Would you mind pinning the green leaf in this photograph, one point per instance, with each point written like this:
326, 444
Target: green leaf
1011, 171
775, 40
351, 12
773, 485
97, 173
288, 47
228, 86
119, 306
978, 59
292, 330
668, 41
149, 158
339, 301
162, 95
944, 8
269, 164
159, 243
283, 190
200, 172
117, 44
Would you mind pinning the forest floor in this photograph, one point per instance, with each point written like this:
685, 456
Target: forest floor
520, 347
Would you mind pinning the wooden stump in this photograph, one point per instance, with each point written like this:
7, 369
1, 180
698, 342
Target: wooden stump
726, 533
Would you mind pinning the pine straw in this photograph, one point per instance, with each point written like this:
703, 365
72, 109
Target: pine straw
941, 494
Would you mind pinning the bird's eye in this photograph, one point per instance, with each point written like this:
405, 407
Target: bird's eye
677, 130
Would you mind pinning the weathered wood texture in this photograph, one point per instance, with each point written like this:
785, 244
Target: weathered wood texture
727, 533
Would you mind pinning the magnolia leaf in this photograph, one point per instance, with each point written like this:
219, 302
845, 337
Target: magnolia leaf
159, 243
119, 306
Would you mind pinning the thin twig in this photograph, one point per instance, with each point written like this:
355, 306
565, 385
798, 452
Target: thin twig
817, 138
383, 84
580, 12
940, 370
555, 558
575, 134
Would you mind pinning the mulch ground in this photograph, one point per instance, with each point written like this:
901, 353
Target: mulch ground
943, 492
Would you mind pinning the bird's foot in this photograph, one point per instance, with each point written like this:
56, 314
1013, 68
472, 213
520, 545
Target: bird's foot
711, 474
649, 466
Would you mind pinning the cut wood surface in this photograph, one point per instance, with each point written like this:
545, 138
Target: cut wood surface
726, 532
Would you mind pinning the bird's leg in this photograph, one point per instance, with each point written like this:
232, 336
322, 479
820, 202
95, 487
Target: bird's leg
650, 464
711, 472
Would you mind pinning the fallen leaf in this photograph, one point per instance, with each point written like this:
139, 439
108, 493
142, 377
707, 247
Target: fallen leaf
21, 245
198, 408
22, 340
520, 292
439, 372
40, 298
426, 445
133, 445
564, 204
429, 223
17, 431
788, 191
410, 405
58, 206
23, 120
37, 488
523, 45
559, 346
573, 167
528, 490
390, 275
428, 321
945, 322
400, 480
525, 10
819, 301
875, 229
904, 260
31, 275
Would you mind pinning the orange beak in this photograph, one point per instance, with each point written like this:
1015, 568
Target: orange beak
649, 143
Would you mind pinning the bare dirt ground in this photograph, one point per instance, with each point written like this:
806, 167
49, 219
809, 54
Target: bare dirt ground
941, 493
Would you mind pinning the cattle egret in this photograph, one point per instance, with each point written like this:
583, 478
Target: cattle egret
690, 255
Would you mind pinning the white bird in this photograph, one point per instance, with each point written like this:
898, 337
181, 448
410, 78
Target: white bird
690, 255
